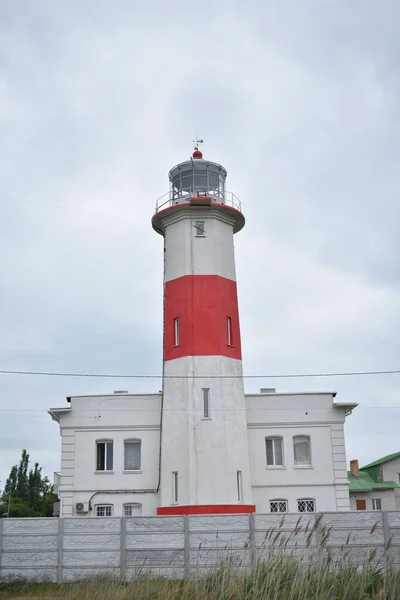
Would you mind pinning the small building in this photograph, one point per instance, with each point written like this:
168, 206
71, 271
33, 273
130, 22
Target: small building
377, 485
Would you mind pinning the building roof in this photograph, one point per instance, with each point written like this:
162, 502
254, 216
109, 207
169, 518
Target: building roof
381, 460
365, 483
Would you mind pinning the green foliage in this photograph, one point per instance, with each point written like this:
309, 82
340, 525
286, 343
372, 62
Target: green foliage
27, 493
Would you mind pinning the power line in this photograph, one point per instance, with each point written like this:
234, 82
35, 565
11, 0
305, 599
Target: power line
128, 376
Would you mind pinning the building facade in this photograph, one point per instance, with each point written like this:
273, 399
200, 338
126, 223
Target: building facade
201, 445
377, 485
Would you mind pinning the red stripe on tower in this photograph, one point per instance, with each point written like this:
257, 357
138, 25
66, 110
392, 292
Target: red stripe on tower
201, 317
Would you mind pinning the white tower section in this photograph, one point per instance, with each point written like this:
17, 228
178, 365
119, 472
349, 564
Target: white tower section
204, 452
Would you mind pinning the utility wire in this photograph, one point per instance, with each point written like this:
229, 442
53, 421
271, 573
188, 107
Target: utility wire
127, 376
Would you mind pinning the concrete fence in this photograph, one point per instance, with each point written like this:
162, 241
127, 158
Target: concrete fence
77, 548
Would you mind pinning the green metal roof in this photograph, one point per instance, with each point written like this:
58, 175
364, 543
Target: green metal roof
381, 460
364, 483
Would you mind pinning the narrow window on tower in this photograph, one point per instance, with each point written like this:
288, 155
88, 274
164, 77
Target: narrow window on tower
175, 487
206, 403
200, 229
176, 331
239, 486
229, 331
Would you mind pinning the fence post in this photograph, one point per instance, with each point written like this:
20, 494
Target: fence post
60, 540
122, 548
386, 535
186, 547
252, 540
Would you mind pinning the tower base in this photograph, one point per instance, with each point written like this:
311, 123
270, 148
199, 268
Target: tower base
207, 509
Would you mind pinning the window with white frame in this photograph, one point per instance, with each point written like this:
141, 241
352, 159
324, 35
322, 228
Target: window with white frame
206, 403
229, 331
301, 450
200, 229
278, 506
175, 487
376, 504
306, 505
132, 455
104, 455
104, 510
176, 331
274, 451
133, 510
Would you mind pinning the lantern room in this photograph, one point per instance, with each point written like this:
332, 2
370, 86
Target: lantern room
197, 177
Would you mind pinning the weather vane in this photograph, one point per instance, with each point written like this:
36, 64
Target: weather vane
197, 142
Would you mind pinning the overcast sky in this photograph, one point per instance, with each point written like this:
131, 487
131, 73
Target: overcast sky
299, 100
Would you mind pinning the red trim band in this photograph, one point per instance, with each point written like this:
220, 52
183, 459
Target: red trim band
207, 509
202, 303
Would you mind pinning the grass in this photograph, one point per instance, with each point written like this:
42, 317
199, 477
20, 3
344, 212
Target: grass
281, 578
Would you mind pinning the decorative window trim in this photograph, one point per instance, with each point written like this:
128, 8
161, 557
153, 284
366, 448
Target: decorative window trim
107, 458
278, 506
306, 505
106, 508
133, 441
274, 465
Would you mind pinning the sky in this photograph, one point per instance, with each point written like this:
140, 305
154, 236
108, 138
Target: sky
298, 100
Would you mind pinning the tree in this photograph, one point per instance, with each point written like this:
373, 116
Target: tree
27, 493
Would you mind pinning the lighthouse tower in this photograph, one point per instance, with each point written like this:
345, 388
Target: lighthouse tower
204, 451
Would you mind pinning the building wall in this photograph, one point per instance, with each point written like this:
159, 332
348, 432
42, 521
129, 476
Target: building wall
387, 496
197, 458
391, 472
116, 418
285, 416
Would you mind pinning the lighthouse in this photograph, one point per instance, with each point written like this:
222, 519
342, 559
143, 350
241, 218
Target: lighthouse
204, 449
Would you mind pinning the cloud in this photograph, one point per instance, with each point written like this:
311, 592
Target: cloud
98, 102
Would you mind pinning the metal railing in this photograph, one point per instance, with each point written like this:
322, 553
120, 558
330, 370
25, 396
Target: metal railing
166, 200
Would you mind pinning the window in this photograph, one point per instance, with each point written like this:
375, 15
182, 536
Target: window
200, 229
301, 448
376, 504
176, 331
306, 505
399, 477
105, 451
133, 451
274, 451
133, 510
175, 487
278, 506
229, 331
206, 403
239, 486
104, 510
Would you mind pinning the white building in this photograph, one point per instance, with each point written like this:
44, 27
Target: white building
201, 446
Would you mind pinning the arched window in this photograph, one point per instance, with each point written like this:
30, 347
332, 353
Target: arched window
274, 451
302, 450
306, 505
134, 509
132, 455
278, 506
104, 455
